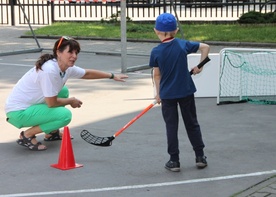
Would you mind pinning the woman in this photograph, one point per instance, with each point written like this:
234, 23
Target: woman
38, 99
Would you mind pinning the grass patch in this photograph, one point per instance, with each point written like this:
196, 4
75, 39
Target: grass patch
197, 32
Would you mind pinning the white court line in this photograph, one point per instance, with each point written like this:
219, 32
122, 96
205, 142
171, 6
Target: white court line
22, 65
104, 189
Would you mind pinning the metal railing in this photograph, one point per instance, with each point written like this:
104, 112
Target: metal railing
45, 12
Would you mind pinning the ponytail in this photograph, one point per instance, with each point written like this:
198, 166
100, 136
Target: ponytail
43, 58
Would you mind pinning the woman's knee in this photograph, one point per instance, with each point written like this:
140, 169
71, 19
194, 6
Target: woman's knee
66, 116
63, 93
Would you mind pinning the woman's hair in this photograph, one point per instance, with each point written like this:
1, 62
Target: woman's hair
60, 45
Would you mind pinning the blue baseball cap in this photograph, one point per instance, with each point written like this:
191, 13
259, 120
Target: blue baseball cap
166, 23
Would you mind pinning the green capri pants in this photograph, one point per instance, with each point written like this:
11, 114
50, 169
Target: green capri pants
48, 119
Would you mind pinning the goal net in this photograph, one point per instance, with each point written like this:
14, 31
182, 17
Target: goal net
247, 75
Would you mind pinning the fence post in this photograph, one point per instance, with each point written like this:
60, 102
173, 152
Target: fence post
52, 11
12, 3
123, 37
165, 6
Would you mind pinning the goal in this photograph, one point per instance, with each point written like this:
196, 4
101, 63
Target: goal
247, 75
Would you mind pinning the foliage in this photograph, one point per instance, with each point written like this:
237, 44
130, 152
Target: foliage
114, 18
254, 17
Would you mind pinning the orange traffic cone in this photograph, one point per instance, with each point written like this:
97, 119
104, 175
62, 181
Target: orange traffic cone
66, 159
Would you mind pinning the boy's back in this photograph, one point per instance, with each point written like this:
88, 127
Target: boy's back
171, 59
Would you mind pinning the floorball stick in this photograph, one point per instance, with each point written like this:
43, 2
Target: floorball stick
107, 141
201, 64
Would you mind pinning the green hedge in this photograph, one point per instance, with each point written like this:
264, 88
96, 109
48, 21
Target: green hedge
257, 18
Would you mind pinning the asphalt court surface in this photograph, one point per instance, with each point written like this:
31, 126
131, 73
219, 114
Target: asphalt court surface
240, 142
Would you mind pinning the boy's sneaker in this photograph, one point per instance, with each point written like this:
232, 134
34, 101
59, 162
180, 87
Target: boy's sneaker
173, 166
201, 162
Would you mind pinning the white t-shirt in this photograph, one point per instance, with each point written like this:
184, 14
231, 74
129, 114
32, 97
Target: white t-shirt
34, 86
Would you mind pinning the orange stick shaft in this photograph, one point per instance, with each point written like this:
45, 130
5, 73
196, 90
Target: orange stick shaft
134, 119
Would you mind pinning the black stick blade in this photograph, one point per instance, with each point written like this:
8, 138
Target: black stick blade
95, 140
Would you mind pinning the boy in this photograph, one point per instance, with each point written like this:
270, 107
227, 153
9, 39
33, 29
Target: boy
174, 86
